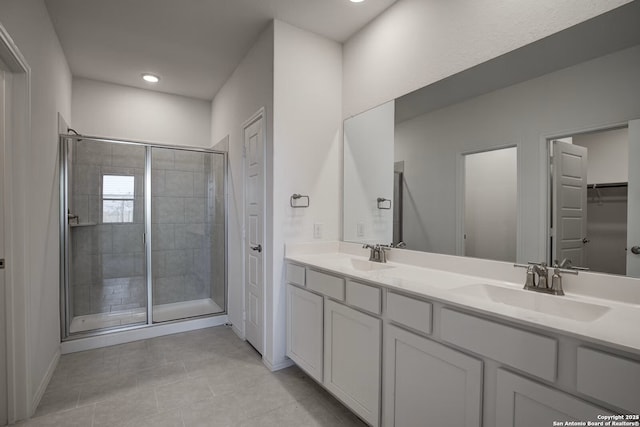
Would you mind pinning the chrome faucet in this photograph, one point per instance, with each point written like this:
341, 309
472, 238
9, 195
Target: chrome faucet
542, 272
538, 277
378, 252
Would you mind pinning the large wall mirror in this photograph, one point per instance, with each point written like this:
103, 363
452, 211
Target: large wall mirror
472, 165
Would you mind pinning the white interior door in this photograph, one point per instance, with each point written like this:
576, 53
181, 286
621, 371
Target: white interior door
633, 201
3, 320
253, 231
569, 203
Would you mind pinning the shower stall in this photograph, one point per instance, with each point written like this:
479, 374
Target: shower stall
143, 234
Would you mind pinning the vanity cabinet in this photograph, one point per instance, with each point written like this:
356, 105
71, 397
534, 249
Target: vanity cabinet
427, 383
524, 403
352, 350
398, 359
305, 330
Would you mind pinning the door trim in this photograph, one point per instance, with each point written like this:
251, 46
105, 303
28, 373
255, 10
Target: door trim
260, 114
18, 74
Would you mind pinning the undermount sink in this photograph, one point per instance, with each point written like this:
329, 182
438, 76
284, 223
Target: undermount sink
528, 300
362, 265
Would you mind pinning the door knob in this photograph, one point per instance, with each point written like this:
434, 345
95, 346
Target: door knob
257, 248
585, 240
635, 250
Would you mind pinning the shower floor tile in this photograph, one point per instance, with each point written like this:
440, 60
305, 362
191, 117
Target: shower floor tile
107, 320
182, 310
161, 313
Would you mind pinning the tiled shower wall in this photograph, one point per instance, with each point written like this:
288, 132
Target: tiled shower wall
107, 261
187, 216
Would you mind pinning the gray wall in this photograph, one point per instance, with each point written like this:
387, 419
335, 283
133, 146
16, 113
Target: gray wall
593, 94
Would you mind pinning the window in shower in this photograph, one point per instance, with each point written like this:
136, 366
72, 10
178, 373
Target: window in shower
105, 249
144, 234
117, 198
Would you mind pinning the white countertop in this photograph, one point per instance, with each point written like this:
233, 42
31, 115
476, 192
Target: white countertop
610, 322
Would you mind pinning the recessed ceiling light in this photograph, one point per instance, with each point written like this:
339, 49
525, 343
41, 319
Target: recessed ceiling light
150, 78
356, 1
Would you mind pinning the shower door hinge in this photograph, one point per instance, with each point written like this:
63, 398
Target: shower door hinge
1, 263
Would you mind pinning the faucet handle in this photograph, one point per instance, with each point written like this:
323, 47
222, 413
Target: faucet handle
556, 281
531, 278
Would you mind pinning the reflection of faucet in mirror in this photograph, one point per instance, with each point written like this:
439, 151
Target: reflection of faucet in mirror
399, 245
422, 131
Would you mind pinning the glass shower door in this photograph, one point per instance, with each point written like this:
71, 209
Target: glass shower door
187, 233
106, 284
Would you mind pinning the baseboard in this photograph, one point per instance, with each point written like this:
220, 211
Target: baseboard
142, 333
284, 363
237, 331
42, 387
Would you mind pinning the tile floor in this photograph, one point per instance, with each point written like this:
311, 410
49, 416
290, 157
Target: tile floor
201, 378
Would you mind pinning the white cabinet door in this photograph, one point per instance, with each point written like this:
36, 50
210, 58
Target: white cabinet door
524, 403
428, 384
304, 330
352, 349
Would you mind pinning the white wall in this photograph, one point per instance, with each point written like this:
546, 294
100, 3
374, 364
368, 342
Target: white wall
416, 42
608, 155
123, 112
28, 24
586, 96
490, 204
249, 88
307, 152
368, 137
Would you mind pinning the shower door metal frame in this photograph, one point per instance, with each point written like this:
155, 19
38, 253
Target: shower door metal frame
65, 318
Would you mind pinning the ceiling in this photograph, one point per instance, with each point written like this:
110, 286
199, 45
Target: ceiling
193, 45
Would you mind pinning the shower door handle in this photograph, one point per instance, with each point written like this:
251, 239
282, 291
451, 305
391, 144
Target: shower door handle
257, 248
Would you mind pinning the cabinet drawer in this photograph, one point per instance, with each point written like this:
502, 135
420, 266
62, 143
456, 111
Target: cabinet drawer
612, 379
529, 352
326, 284
409, 312
295, 274
364, 296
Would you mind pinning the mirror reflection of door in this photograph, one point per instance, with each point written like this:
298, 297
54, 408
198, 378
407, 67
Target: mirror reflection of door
490, 204
591, 171
570, 202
